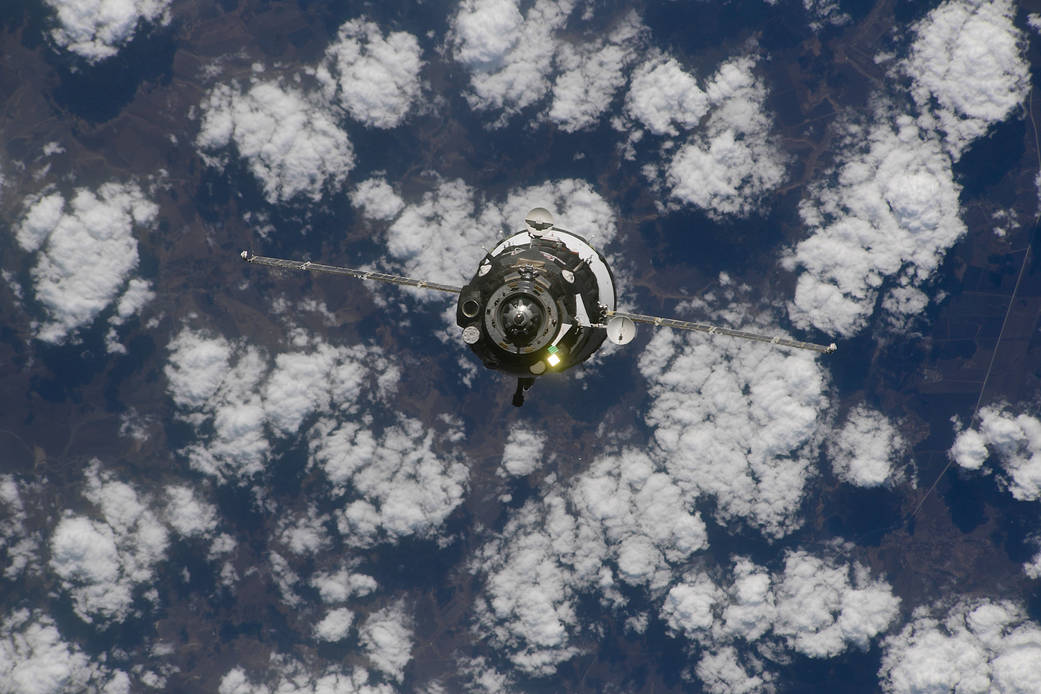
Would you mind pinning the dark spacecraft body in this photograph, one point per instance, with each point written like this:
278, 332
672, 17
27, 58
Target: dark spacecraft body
541, 301
538, 301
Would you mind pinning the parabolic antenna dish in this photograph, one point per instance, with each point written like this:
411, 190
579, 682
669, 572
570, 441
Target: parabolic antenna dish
621, 330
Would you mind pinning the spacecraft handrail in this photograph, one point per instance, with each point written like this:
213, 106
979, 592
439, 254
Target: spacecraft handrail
349, 272
717, 330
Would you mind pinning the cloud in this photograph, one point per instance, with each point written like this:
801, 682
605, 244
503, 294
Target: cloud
102, 562
972, 646
818, 606
864, 451
522, 454
386, 638
509, 55
622, 518
967, 69
885, 223
396, 483
335, 625
882, 221
17, 542
97, 29
292, 145
590, 74
288, 676
442, 237
738, 421
662, 95
730, 166
34, 659
86, 254
1015, 442
375, 78
241, 394
188, 516
338, 586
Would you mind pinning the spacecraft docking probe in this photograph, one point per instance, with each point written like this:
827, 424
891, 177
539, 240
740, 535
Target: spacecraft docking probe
541, 301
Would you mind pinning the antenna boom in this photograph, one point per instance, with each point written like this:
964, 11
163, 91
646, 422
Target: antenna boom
717, 330
348, 272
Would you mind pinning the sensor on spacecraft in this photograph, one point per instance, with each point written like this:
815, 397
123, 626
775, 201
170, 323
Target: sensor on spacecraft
541, 301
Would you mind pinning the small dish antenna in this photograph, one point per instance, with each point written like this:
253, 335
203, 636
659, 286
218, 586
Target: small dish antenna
539, 219
621, 330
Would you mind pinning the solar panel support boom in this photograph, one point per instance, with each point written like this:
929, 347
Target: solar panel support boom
717, 330
308, 266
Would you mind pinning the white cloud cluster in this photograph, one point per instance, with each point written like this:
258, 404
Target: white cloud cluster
819, 607
728, 166
883, 220
522, 454
517, 57
883, 225
292, 144
338, 586
509, 55
590, 75
976, 646
187, 515
397, 477
866, 449
239, 393
1014, 440
101, 563
375, 78
335, 625
86, 254
34, 659
738, 421
386, 638
402, 484
967, 69
729, 161
622, 518
440, 238
288, 676
17, 542
97, 29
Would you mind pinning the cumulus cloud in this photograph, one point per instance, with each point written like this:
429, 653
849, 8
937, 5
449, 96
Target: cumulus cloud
884, 225
288, 676
338, 586
292, 145
509, 55
522, 454
187, 515
393, 477
817, 606
883, 220
623, 519
17, 542
967, 69
662, 95
386, 638
34, 659
102, 562
1013, 440
97, 29
440, 238
86, 254
335, 625
733, 163
241, 394
866, 448
590, 74
972, 646
375, 78
737, 421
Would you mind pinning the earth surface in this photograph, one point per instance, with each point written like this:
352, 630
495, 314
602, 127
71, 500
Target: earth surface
216, 477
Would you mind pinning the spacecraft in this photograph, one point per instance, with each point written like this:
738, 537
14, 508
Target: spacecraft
541, 301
